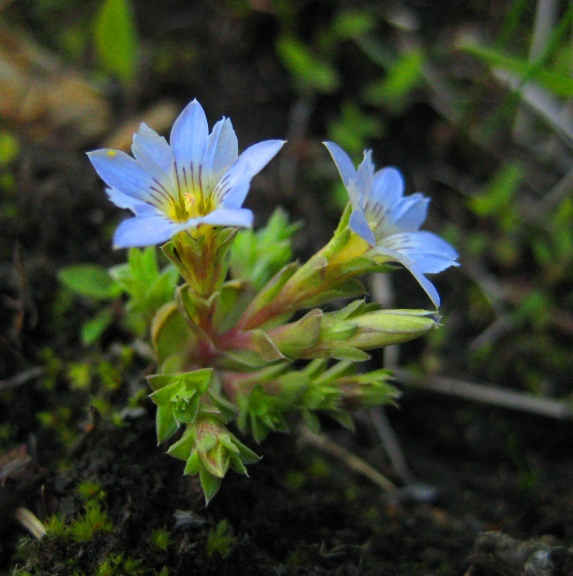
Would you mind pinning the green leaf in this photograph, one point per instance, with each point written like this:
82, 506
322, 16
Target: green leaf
115, 39
401, 79
560, 84
498, 197
352, 130
311, 72
257, 256
90, 280
171, 334
94, 328
143, 263
353, 24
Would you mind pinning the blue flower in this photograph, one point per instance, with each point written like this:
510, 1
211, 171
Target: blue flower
390, 221
198, 179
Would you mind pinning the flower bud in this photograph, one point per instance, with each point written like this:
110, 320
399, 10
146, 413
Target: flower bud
210, 450
345, 334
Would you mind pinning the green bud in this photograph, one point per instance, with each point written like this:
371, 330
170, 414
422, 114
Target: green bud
347, 333
178, 398
386, 327
210, 450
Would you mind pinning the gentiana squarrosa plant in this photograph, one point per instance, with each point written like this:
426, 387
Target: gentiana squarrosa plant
243, 311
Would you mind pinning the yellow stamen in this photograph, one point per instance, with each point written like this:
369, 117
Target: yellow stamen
190, 204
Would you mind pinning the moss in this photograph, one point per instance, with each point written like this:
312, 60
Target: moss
160, 538
220, 539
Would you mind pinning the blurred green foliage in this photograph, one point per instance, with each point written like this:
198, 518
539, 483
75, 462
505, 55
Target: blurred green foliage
116, 42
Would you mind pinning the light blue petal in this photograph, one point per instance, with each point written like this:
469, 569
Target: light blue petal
120, 171
342, 161
144, 230
122, 200
232, 189
242, 218
364, 175
410, 212
427, 286
189, 142
222, 152
430, 253
411, 266
150, 149
359, 225
387, 187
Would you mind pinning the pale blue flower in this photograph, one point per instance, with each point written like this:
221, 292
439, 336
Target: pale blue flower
198, 179
390, 221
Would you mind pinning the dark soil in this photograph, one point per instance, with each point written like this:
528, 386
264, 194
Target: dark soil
301, 512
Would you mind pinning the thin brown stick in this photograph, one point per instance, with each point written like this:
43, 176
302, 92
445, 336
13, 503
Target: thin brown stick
21, 378
324, 443
488, 394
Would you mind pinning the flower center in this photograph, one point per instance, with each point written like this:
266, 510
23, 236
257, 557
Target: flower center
190, 204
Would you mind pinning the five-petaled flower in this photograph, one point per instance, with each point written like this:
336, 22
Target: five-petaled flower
390, 221
198, 179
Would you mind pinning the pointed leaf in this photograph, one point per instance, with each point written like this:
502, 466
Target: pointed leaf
210, 485
90, 280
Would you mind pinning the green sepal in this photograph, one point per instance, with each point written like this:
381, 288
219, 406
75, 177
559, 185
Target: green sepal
348, 289
231, 302
193, 465
311, 420
166, 424
179, 393
246, 455
236, 465
265, 346
226, 409
343, 418
338, 370
172, 253
186, 412
299, 335
263, 407
210, 484
315, 368
344, 219
261, 413
353, 309
183, 448
194, 308
269, 292
348, 353
241, 361
196, 379
202, 259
